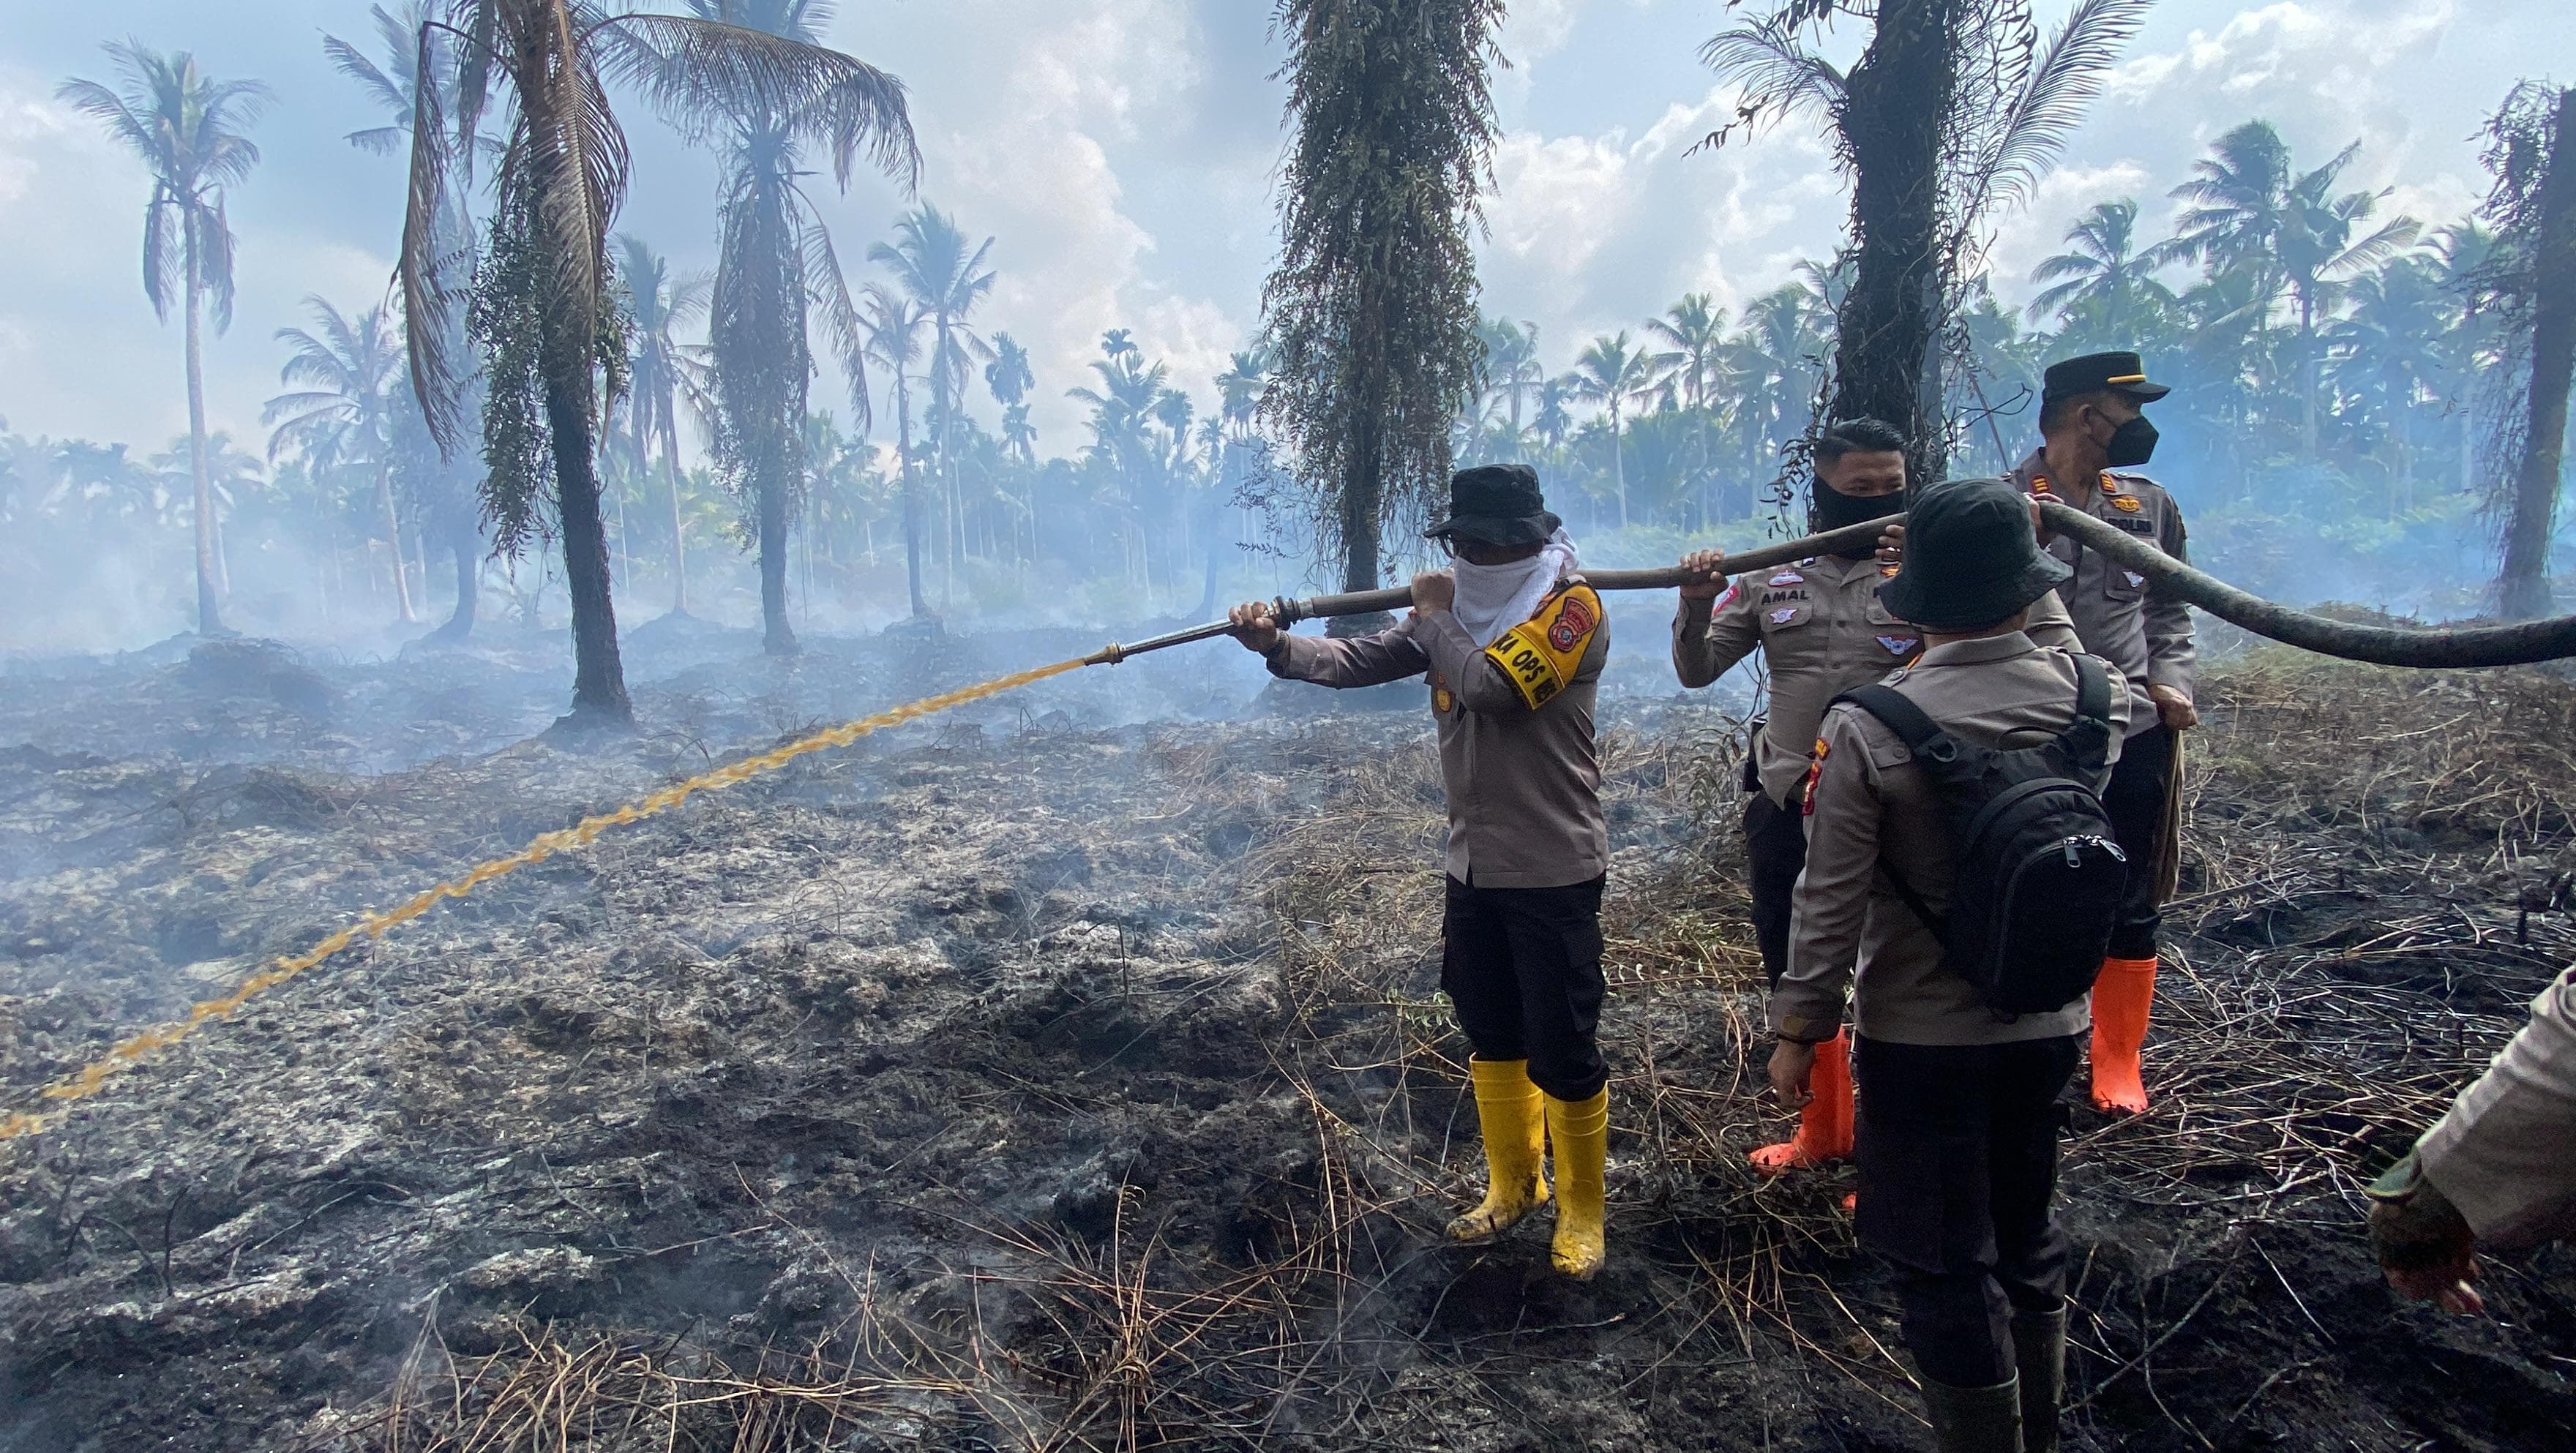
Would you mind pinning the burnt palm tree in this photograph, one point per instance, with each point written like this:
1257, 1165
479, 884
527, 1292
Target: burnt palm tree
1950, 111
931, 261
661, 375
543, 305
344, 372
1371, 311
187, 129
777, 277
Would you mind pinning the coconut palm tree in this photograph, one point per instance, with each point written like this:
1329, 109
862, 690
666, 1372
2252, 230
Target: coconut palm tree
2320, 253
777, 277
440, 491
661, 375
1695, 327
2388, 354
931, 261
344, 372
188, 129
544, 307
2104, 277
892, 329
1613, 375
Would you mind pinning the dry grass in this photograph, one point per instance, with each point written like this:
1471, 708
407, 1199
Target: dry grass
2373, 871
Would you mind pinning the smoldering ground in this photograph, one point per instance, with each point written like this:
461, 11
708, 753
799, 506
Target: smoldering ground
1070, 1073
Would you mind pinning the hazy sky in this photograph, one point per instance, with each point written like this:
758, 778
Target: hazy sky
1123, 152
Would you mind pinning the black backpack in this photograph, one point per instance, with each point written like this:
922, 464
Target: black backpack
2039, 878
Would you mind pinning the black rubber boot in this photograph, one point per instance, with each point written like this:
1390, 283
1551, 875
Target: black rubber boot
1975, 1419
2039, 1350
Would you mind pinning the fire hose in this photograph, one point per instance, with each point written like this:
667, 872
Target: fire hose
2438, 647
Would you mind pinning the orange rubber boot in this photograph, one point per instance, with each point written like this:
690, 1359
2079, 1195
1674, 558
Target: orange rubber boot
2121, 998
1825, 1126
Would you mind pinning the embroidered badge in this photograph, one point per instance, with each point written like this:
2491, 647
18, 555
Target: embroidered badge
2134, 577
1573, 622
1899, 645
1441, 697
1781, 616
2126, 503
2110, 482
1788, 577
1724, 599
1815, 769
1887, 572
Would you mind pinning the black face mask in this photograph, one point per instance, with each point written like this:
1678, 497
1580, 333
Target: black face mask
1832, 509
2132, 444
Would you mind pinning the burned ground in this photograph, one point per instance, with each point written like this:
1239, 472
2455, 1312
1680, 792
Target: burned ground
1071, 1073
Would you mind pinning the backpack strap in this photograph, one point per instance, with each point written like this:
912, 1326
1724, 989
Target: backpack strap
2087, 739
1921, 734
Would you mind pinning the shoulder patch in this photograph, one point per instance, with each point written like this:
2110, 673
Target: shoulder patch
1541, 654
1724, 599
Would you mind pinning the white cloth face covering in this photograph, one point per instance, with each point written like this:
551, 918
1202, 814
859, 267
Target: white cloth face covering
1494, 598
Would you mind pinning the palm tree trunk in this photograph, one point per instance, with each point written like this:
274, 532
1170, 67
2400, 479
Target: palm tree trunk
393, 540
455, 525
209, 615
1899, 99
911, 497
679, 545
1362, 484
1618, 464
599, 678
2523, 592
776, 637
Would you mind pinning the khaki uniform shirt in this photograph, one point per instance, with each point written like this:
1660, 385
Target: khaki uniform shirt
2121, 617
2505, 1153
1867, 800
1822, 631
1524, 782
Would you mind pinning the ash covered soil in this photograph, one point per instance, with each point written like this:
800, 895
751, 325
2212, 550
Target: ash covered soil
1069, 1072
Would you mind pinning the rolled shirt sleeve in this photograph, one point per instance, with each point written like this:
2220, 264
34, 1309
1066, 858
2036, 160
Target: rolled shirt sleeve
1709, 637
2505, 1152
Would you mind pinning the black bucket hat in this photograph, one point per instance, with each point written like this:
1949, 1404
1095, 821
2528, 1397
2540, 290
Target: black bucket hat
1496, 504
1971, 558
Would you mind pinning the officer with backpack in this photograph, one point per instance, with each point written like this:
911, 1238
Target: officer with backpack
1821, 629
1962, 878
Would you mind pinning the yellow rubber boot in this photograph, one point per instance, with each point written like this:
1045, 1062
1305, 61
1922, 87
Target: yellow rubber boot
1825, 1125
1515, 1135
1581, 1132
2121, 999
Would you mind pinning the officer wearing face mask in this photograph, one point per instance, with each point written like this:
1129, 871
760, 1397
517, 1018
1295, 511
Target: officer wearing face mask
1822, 630
2094, 433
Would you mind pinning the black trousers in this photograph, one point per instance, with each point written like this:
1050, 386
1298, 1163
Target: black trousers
1957, 1148
1775, 847
2135, 802
1523, 968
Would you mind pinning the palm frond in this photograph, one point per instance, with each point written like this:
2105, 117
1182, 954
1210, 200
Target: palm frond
428, 300
691, 68
2380, 246
214, 241
829, 287
2064, 81
1773, 65
161, 250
